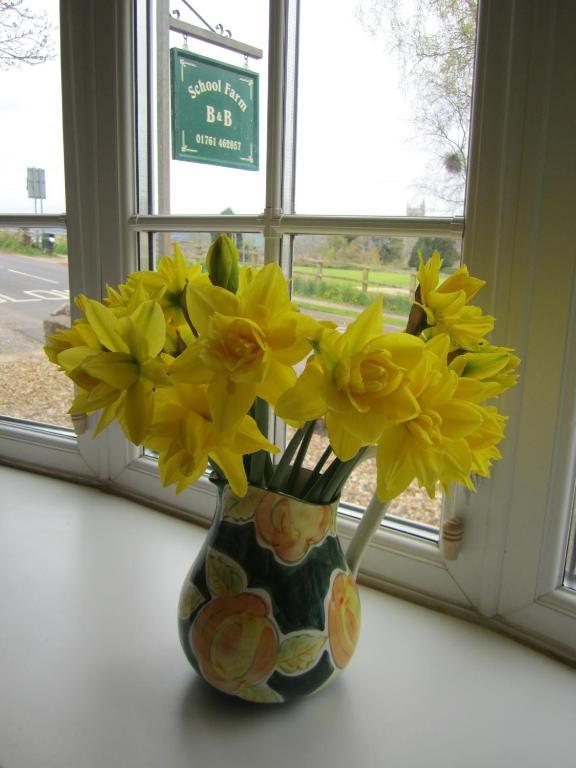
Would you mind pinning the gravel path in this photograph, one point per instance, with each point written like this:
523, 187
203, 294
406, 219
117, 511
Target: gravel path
32, 388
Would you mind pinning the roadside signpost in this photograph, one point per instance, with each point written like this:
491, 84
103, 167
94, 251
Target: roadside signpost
36, 186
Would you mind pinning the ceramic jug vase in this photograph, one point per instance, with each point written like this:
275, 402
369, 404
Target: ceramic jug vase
270, 611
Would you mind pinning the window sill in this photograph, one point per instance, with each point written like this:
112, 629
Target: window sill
93, 673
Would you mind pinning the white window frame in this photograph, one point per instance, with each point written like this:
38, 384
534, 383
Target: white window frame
520, 223
518, 213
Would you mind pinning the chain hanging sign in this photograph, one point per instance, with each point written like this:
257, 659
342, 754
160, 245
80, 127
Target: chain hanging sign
214, 111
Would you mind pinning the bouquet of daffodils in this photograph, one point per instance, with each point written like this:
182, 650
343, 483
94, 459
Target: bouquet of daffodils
192, 363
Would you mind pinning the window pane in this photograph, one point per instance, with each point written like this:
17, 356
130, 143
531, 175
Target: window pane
30, 97
216, 108
384, 106
413, 505
334, 278
34, 300
194, 246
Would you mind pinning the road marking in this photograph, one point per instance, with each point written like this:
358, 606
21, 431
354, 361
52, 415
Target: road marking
36, 277
50, 294
4, 298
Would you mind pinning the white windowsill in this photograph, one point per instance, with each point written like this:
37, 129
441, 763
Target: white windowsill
93, 675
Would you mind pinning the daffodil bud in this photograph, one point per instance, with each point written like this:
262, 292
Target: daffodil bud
222, 263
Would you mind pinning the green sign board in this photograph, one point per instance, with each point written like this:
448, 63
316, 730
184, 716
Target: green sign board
214, 112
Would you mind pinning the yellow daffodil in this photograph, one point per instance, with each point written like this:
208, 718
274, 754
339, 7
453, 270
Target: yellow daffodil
179, 356
248, 342
446, 305
122, 373
357, 381
483, 441
79, 335
431, 447
130, 295
185, 436
472, 455
167, 286
494, 367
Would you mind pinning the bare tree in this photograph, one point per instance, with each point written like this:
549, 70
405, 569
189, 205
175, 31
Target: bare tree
435, 40
25, 37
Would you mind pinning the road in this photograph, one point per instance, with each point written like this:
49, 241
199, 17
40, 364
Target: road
31, 288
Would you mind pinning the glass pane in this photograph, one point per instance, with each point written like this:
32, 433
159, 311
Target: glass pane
384, 106
413, 505
30, 100
194, 246
222, 109
334, 278
34, 300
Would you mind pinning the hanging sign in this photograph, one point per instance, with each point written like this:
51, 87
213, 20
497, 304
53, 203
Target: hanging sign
214, 111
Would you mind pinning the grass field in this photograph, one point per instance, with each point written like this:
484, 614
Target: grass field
391, 279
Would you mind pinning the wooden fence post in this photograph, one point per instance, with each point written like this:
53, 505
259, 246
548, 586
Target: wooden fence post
365, 278
318, 275
413, 281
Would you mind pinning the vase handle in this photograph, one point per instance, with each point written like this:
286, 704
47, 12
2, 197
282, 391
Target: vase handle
370, 522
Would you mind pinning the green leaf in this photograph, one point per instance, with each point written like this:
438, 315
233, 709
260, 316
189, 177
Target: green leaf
299, 653
224, 575
190, 599
260, 695
241, 510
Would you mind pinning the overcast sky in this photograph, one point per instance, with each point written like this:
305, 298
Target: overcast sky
356, 152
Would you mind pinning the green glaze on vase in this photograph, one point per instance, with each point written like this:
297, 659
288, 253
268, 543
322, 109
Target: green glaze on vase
269, 611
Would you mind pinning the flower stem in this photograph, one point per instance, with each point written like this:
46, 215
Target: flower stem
294, 477
217, 474
282, 469
333, 487
315, 494
315, 474
259, 462
327, 487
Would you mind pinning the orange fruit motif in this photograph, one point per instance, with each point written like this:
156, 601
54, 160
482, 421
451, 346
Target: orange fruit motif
290, 527
235, 642
343, 618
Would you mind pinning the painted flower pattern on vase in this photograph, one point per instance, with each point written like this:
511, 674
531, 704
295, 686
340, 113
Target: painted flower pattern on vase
343, 618
235, 641
285, 525
290, 527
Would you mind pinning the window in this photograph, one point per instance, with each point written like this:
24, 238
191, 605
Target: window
300, 176
33, 244
518, 236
